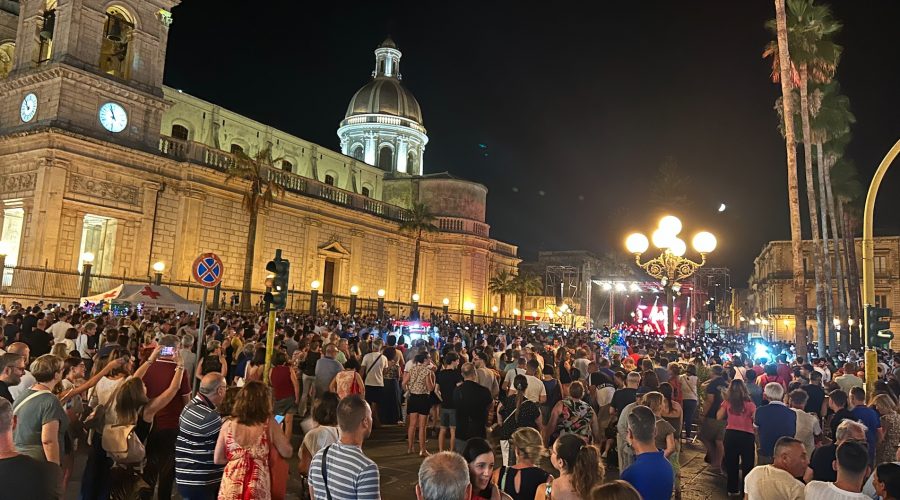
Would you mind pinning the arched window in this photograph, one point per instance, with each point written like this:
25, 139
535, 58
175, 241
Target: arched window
386, 158
329, 180
179, 132
365, 192
115, 49
7, 52
287, 166
359, 153
236, 148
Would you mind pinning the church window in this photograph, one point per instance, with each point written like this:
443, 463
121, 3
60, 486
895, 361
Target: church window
7, 52
359, 153
115, 49
179, 132
365, 192
386, 158
236, 148
329, 180
98, 236
287, 166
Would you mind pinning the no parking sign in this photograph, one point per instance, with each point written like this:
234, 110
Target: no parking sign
207, 270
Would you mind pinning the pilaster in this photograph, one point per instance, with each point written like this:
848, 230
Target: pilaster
50, 186
311, 257
145, 230
187, 232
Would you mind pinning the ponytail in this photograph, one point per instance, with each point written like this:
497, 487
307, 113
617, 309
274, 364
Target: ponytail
588, 469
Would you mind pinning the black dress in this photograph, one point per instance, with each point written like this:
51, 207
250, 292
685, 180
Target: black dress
532, 478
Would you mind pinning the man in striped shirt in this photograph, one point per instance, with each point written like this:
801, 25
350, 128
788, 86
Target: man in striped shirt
196, 475
348, 474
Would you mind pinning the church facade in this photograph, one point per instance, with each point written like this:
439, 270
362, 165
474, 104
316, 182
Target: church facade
98, 157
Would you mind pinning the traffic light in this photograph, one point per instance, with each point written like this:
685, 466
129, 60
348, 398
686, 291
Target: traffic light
278, 271
878, 324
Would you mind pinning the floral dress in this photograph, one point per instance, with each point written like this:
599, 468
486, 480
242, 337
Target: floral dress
888, 446
246, 475
575, 418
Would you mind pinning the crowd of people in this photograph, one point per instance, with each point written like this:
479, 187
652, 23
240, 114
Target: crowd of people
518, 412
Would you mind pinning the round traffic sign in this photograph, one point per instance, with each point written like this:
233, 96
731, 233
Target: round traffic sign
207, 270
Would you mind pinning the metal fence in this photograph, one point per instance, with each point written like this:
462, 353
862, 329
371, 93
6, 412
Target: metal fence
65, 286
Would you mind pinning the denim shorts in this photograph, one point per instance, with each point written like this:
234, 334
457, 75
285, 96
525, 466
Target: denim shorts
448, 417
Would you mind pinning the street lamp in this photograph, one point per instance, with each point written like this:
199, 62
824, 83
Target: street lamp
468, 306
158, 268
446, 303
87, 260
380, 311
354, 290
516, 312
670, 266
314, 297
414, 310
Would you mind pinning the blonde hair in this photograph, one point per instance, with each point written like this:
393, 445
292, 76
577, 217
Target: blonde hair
46, 367
655, 401
528, 442
884, 405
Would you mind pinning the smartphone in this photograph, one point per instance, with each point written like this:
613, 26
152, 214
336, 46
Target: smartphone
279, 418
167, 351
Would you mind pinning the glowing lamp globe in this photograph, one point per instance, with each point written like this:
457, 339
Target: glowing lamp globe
704, 242
637, 243
607, 287
469, 306
446, 301
354, 290
87, 257
415, 297
670, 224
381, 292
516, 312
494, 309
315, 285
159, 266
678, 248
662, 238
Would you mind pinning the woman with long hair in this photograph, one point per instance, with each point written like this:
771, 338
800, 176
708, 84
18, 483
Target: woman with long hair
325, 433
516, 412
737, 410
285, 389
243, 445
419, 381
480, 456
886, 481
671, 411
256, 365
890, 422
579, 466
688, 381
522, 480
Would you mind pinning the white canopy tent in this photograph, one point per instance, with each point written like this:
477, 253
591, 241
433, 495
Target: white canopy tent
152, 296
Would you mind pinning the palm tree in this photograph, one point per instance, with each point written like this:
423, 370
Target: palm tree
502, 284
524, 285
793, 184
420, 221
260, 192
848, 190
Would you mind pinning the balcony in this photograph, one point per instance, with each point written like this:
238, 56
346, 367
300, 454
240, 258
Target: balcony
465, 226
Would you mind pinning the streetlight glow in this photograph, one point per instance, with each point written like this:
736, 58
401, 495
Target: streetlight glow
159, 266
446, 301
662, 238
315, 284
381, 292
354, 290
516, 312
468, 306
637, 243
704, 242
678, 248
495, 309
415, 297
670, 224
87, 257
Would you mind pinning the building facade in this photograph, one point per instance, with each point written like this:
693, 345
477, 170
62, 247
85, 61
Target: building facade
771, 301
98, 156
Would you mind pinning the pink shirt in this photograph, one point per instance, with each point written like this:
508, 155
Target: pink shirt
740, 421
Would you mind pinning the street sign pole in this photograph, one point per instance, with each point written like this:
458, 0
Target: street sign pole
200, 328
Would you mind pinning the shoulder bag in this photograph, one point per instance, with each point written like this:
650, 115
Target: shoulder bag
325, 472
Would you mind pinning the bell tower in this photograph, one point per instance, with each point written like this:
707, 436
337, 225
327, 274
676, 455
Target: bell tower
93, 67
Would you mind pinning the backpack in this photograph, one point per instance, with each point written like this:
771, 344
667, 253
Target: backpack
120, 442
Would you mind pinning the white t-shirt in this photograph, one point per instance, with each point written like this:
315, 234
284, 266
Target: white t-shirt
374, 363
808, 428
582, 365
767, 482
511, 377
605, 395
27, 381
534, 390
104, 389
820, 490
319, 438
58, 330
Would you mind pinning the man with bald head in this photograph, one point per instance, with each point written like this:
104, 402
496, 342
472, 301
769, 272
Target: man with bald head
196, 475
27, 379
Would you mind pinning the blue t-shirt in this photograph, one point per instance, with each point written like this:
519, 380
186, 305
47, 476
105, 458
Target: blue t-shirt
774, 421
872, 421
651, 474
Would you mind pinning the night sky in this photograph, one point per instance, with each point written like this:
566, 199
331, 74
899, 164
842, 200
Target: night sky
564, 112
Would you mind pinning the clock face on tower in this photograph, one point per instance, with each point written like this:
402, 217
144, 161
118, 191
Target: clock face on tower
113, 117
28, 108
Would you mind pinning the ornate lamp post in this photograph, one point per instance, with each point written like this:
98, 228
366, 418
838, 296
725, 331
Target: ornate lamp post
670, 266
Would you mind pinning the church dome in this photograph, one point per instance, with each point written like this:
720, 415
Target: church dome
385, 95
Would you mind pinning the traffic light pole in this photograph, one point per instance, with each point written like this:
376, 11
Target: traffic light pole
270, 342
868, 257
278, 272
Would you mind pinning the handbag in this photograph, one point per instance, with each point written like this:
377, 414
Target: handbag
122, 444
354, 386
278, 472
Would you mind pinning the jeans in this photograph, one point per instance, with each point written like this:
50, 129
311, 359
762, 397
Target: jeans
308, 381
740, 448
690, 409
198, 492
160, 468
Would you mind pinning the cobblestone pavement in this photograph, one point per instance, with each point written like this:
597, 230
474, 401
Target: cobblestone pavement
387, 447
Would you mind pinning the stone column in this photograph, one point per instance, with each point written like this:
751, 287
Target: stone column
311, 258
140, 262
401, 154
371, 148
42, 243
187, 233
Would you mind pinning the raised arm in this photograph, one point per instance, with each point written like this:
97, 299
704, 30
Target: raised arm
142, 370
159, 402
